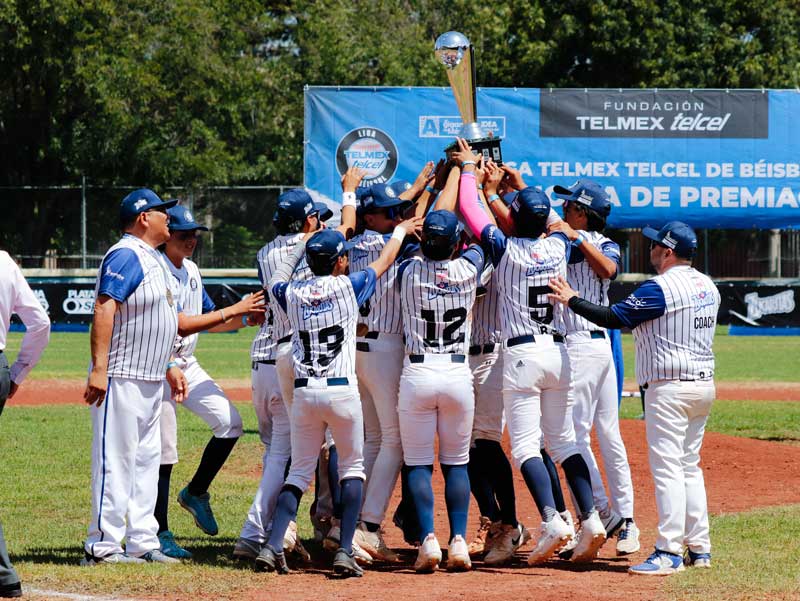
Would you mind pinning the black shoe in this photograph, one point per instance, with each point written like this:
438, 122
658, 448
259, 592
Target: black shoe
344, 565
269, 560
11, 590
405, 518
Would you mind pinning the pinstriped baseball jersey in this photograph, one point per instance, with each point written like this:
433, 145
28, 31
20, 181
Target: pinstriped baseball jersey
583, 279
323, 313
437, 302
522, 276
192, 300
383, 309
486, 327
146, 322
276, 324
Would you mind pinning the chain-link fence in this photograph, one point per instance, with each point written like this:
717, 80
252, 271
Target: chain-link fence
72, 226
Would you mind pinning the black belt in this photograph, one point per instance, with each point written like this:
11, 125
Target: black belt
263, 362
531, 338
700, 379
285, 339
597, 334
421, 358
372, 335
477, 349
301, 382
362, 346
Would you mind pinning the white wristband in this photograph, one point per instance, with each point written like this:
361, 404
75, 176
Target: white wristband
398, 234
348, 199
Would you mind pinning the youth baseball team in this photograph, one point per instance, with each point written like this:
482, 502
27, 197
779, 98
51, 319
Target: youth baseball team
440, 311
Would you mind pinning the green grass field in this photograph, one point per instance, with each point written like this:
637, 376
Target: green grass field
739, 359
46, 505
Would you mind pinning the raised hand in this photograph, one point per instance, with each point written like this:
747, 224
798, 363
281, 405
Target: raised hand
464, 153
513, 178
352, 178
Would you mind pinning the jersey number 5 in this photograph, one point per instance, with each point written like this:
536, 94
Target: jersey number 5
541, 309
331, 338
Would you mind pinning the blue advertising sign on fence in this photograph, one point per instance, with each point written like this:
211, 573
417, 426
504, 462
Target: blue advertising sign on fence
712, 158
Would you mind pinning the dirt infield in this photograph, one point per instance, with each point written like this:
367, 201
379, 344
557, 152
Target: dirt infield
56, 392
740, 475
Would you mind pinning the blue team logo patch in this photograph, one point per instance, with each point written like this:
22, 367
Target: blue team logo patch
703, 298
357, 255
540, 264
316, 307
636, 303
442, 288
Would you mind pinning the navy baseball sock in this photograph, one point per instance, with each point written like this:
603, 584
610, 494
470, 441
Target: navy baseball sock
162, 498
333, 481
538, 481
214, 457
352, 491
456, 496
555, 482
285, 512
502, 478
480, 483
421, 489
577, 473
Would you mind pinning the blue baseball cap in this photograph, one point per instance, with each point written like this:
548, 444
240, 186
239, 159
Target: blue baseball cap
400, 186
587, 193
324, 248
141, 200
531, 203
509, 197
442, 224
294, 206
181, 219
384, 196
675, 235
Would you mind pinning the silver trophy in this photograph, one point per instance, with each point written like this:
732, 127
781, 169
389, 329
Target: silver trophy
455, 52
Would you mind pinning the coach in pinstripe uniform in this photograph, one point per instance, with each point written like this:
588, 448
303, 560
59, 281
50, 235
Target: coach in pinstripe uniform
133, 330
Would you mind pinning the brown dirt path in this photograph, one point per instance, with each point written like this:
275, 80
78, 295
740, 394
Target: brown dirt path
56, 392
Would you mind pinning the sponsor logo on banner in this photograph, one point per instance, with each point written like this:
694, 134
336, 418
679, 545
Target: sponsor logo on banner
79, 302
654, 114
440, 126
758, 306
370, 149
42, 298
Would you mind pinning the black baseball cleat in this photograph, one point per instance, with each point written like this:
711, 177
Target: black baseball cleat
344, 565
11, 590
269, 560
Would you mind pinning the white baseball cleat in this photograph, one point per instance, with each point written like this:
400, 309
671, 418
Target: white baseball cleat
628, 538
506, 543
429, 555
566, 551
373, 544
553, 535
458, 555
612, 521
591, 537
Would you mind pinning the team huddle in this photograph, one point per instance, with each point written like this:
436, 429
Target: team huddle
437, 315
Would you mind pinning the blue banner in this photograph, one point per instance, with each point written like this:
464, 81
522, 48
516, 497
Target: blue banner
712, 158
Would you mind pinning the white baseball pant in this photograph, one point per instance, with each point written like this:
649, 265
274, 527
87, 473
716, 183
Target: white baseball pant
436, 397
206, 400
273, 427
594, 387
538, 400
675, 418
378, 372
126, 452
316, 407
487, 383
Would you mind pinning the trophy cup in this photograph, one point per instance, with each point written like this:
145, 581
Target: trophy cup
455, 52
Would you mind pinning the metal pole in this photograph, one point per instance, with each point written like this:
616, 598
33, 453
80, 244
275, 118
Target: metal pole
83, 222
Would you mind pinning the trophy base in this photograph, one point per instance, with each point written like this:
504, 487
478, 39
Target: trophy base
488, 147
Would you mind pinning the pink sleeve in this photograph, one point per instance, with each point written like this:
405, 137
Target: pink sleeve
470, 205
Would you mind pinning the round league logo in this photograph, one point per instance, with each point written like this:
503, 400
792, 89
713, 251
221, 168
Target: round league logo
370, 149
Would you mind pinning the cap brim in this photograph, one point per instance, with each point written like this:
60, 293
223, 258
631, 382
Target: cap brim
185, 227
324, 212
166, 204
651, 233
562, 192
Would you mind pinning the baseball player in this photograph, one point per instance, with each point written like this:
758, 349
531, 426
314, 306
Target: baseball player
133, 330
323, 312
296, 214
593, 263
436, 396
672, 316
536, 369
196, 312
379, 361
17, 297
